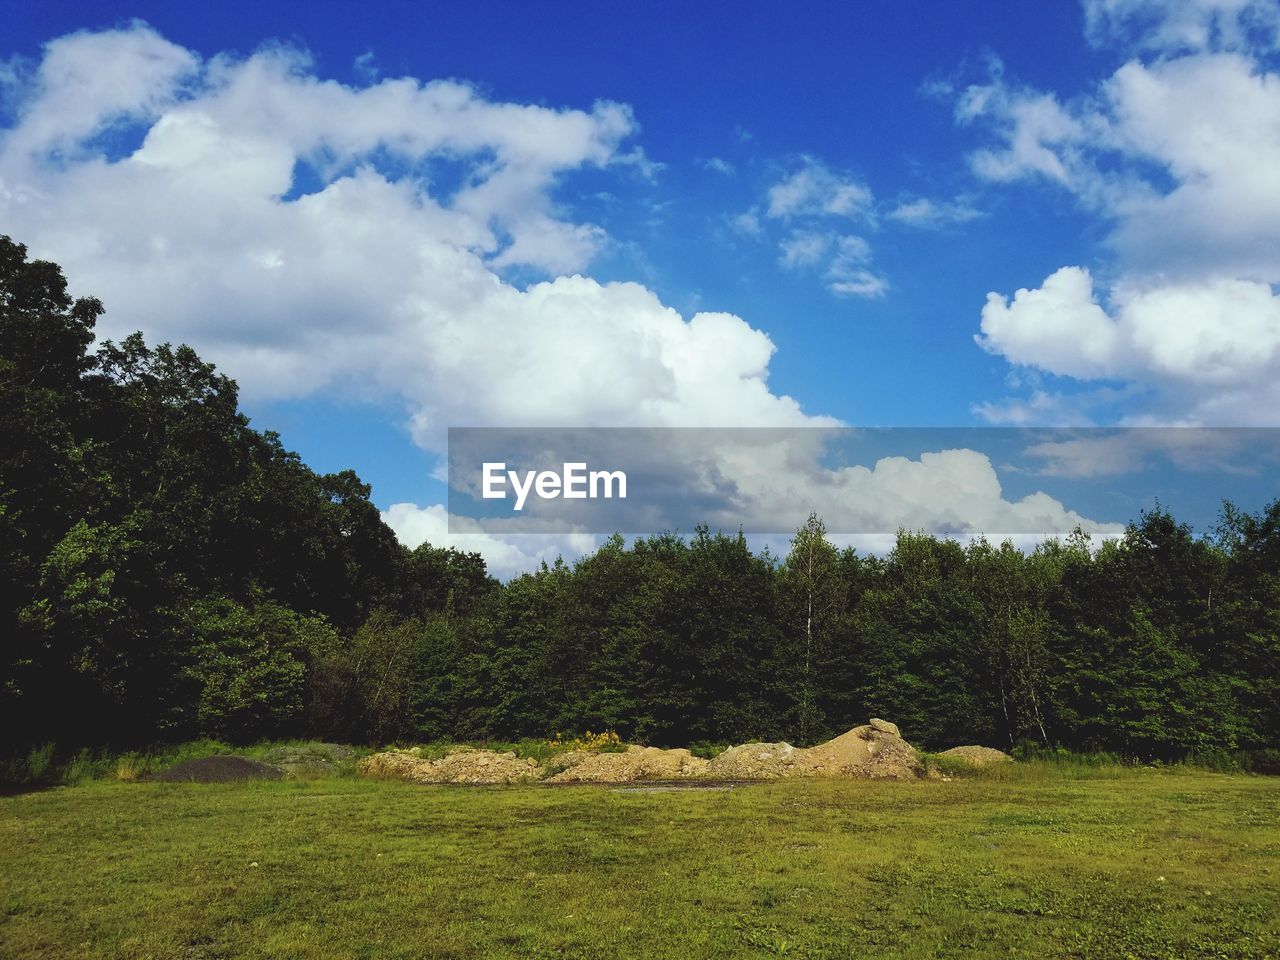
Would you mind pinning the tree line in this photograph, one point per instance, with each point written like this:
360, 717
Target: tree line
168, 572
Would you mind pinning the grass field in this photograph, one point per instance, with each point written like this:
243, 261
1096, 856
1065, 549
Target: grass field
1118, 863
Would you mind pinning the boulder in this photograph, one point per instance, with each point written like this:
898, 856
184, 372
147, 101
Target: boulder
884, 726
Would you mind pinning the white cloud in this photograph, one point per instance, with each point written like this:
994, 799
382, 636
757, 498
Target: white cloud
813, 190
1110, 453
943, 491
847, 258
311, 237
748, 223
719, 165
1180, 153
1213, 346
925, 213
1164, 26
504, 558
804, 248
89, 81
848, 274
376, 281
1059, 327
813, 202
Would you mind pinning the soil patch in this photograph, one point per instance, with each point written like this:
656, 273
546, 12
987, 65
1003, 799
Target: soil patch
222, 769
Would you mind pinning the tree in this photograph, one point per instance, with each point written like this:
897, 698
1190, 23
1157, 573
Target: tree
810, 597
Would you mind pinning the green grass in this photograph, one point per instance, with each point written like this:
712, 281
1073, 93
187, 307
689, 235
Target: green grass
1027, 862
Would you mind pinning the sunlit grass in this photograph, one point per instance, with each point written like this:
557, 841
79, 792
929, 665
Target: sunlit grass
1024, 862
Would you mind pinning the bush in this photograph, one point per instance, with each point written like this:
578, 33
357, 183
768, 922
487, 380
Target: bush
32, 768
129, 767
81, 767
39, 761
947, 766
1216, 759
1030, 750
706, 749
1261, 761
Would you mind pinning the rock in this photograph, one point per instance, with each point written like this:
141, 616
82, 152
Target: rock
637, 763
463, 766
978, 756
884, 726
861, 752
864, 751
754, 761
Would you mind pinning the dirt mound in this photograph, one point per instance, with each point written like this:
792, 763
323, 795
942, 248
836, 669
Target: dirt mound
222, 769
464, 766
637, 763
875, 750
868, 751
978, 756
754, 761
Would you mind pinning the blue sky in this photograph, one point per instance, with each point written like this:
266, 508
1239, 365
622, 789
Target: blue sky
852, 183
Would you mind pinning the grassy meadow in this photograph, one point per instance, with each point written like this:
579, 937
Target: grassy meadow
1030, 861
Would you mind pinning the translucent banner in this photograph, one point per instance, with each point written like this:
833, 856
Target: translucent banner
945, 481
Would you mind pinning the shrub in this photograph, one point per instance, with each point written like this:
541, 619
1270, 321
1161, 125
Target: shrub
129, 767
947, 766
37, 765
1261, 761
707, 750
79, 768
606, 742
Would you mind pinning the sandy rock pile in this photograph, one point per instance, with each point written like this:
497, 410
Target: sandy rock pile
977, 756
754, 761
637, 763
875, 750
462, 766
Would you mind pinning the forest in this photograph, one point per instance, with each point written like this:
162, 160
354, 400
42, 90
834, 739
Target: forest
168, 572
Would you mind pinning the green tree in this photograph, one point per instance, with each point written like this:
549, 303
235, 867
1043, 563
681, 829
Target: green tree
810, 601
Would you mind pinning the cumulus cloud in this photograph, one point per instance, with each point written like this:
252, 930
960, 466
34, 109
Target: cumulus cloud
1213, 346
950, 491
505, 557
311, 236
1180, 153
1059, 327
259, 219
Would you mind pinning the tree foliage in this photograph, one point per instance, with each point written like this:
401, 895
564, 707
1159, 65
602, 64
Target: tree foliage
167, 571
